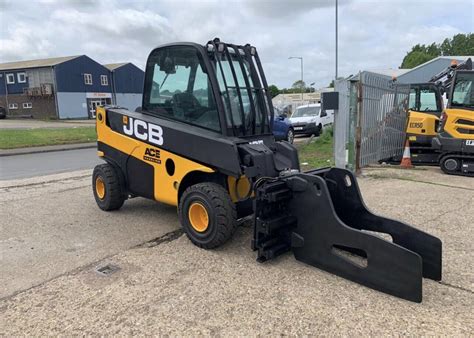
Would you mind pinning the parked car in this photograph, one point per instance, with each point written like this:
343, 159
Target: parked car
309, 119
3, 113
282, 129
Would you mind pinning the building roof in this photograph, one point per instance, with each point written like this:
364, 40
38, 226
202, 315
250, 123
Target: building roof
113, 66
448, 57
36, 63
390, 71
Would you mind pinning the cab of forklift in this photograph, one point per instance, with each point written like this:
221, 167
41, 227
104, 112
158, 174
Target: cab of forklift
221, 92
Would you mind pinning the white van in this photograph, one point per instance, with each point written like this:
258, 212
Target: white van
310, 120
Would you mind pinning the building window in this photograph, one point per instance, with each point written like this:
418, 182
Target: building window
10, 78
21, 77
88, 79
27, 105
104, 80
13, 106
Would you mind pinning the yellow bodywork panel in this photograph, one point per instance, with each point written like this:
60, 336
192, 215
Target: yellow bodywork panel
454, 123
243, 188
165, 185
421, 124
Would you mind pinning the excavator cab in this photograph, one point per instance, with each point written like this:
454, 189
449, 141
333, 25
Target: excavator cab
455, 139
424, 111
202, 141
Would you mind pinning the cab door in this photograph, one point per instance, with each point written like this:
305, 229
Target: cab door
425, 107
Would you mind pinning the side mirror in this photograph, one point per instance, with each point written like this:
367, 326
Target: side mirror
323, 114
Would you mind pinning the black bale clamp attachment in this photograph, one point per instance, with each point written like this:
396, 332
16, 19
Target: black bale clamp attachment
321, 217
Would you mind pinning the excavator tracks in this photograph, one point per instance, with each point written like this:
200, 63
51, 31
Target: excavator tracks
457, 164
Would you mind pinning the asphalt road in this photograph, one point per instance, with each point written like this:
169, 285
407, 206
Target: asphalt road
53, 237
29, 165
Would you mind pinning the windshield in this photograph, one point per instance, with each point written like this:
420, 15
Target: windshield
177, 87
306, 111
463, 92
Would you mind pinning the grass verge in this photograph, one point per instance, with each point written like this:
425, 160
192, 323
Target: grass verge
319, 153
21, 138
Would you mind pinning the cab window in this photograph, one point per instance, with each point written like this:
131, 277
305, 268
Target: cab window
463, 93
428, 100
177, 87
412, 99
424, 99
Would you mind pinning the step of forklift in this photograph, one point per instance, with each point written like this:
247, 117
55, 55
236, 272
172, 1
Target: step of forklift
320, 216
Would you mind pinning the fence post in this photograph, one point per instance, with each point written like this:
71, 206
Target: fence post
359, 125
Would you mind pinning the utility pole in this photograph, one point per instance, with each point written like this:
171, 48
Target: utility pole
301, 59
336, 43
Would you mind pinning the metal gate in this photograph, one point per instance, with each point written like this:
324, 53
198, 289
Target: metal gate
371, 121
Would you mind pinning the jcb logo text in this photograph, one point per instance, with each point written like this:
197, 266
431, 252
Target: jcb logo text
143, 130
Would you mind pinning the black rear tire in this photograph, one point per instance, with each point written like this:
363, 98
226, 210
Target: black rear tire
221, 214
111, 196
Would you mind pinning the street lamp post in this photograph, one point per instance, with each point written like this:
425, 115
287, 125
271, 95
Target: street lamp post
335, 78
301, 59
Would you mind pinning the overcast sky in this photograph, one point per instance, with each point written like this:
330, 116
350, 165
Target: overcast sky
372, 34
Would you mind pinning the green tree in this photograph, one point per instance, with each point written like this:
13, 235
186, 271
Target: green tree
274, 91
414, 59
459, 44
299, 85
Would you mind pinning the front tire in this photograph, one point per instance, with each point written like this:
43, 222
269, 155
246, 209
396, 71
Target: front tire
207, 215
107, 187
319, 130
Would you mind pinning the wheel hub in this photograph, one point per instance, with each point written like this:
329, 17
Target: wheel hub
290, 136
100, 187
451, 164
198, 217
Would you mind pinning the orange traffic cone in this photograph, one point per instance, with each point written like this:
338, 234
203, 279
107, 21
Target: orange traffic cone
406, 160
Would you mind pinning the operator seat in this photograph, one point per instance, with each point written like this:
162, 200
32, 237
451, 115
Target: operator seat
186, 106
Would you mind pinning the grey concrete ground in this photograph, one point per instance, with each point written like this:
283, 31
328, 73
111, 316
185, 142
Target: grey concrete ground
51, 225
34, 124
176, 288
37, 164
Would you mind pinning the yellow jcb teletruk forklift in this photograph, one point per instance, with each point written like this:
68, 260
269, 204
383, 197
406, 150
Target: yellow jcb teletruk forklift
202, 141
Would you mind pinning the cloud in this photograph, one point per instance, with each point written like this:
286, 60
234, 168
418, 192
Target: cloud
281, 9
25, 39
372, 34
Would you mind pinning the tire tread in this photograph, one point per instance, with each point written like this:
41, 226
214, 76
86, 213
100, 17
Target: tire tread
114, 198
226, 213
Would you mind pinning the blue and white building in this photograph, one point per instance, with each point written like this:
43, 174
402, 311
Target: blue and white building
127, 84
68, 87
